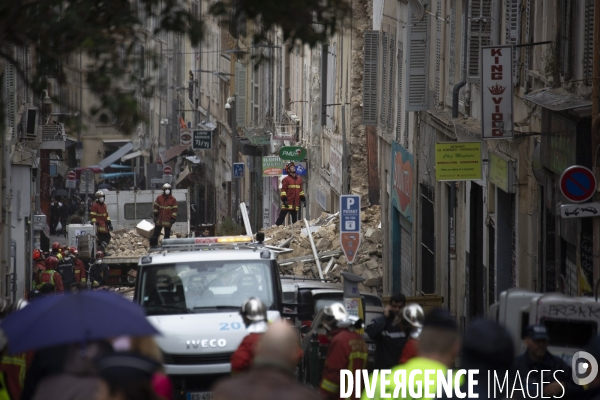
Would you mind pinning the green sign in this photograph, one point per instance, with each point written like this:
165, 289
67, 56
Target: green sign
292, 153
272, 166
499, 172
202, 140
260, 140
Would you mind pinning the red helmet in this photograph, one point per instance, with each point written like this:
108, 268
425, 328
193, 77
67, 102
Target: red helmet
51, 263
99, 254
56, 246
73, 250
37, 254
288, 165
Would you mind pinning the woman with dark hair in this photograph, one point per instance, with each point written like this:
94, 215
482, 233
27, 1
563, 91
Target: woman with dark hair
126, 376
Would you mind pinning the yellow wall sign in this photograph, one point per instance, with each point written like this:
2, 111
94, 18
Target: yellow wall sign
457, 161
499, 172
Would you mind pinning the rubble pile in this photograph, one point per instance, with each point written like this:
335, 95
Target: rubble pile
129, 243
326, 236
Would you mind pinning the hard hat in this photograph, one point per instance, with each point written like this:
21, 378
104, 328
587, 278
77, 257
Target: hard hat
73, 250
254, 310
166, 186
36, 254
288, 165
414, 315
56, 246
336, 316
99, 254
99, 194
20, 304
51, 263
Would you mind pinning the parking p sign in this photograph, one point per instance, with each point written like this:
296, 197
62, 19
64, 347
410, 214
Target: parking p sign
350, 225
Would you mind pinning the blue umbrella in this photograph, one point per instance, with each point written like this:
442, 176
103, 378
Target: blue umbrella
74, 318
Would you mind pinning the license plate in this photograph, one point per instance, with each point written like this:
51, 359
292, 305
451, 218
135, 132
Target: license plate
199, 396
371, 346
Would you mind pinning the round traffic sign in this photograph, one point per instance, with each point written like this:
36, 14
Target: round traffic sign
167, 170
577, 183
71, 176
87, 176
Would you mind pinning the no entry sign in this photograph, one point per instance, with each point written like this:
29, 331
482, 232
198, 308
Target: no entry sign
577, 183
167, 170
72, 176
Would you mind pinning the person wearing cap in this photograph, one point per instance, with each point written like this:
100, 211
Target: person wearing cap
538, 358
438, 347
411, 323
272, 375
388, 336
165, 214
79, 266
291, 195
126, 376
66, 268
347, 349
50, 277
254, 314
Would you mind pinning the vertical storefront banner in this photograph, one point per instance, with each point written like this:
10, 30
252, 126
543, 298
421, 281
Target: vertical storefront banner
402, 180
496, 92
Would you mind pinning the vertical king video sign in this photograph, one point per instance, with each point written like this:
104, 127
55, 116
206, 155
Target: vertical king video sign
496, 92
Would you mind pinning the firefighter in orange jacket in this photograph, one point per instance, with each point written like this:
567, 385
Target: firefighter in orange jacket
79, 266
347, 349
165, 214
50, 275
100, 218
291, 194
254, 314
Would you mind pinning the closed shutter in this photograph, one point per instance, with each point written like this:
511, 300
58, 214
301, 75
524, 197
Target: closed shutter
392, 77
566, 28
370, 75
279, 87
384, 79
406, 272
528, 53
324, 83
513, 32
588, 41
240, 90
438, 56
405, 141
331, 85
418, 49
10, 85
452, 58
479, 34
399, 107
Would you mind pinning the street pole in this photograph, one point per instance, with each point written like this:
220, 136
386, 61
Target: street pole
596, 132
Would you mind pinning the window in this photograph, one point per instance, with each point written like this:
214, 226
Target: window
384, 79
416, 86
399, 95
370, 76
480, 22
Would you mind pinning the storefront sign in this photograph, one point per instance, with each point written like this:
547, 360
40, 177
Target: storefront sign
496, 92
499, 172
271, 166
292, 153
185, 137
202, 140
457, 161
402, 179
335, 169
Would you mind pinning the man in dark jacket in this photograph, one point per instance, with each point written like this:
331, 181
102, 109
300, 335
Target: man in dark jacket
388, 336
271, 376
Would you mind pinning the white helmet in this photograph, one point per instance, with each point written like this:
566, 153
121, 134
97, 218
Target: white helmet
99, 194
254, 310
166, 186
414, 315
336, 316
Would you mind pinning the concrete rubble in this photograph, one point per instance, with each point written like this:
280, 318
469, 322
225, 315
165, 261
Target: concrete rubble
301, 262
129, 243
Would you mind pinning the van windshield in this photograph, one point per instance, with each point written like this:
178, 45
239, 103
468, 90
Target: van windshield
196, 287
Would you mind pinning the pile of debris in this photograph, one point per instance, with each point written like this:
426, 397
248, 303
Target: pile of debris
129, 243
326, 237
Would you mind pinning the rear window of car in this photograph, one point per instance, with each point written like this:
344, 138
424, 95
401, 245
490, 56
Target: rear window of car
329, 299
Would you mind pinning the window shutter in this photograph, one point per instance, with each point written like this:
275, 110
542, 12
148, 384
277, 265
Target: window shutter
418, 48
588, 41
406, 129
392, 76
528, 53
331, 82
513, 32
279, 87
566, 15
479, 34
10, 85
324, 83
240, 90
384, 83
452, 61
399, 106
370, 72
438, 53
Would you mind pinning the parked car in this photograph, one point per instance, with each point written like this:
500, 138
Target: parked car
307, 298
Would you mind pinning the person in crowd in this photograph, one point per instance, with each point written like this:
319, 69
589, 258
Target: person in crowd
66, 268
165, 214
13, 367
55, 212
76, 378
272, 375
291, 194
347, 349
487, 347
78, 217
50, 276
99, 271
99, 217
126, 376
205, 233
64, 215
387, 334
411, 322
438, 347
55, 251
79, 266
38, 266
254, 314
537, 357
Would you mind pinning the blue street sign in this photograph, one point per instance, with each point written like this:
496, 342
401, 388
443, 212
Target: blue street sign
350, 213
238, 170
301, 169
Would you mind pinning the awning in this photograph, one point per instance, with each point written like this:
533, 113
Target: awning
116, 175
557, 99
116, 142
172, 153
117, 166
131, 155
126, 148
184, 174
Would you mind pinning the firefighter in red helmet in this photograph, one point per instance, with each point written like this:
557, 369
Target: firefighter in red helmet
79, 266
56, 251
291, 194
50, 276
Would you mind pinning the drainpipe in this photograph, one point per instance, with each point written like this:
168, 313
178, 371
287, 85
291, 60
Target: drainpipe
462, 83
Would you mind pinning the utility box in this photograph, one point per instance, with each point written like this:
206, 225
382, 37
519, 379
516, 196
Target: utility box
85, 246
145, 229
74, 231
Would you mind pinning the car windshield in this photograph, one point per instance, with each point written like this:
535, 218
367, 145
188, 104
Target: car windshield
197, 287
